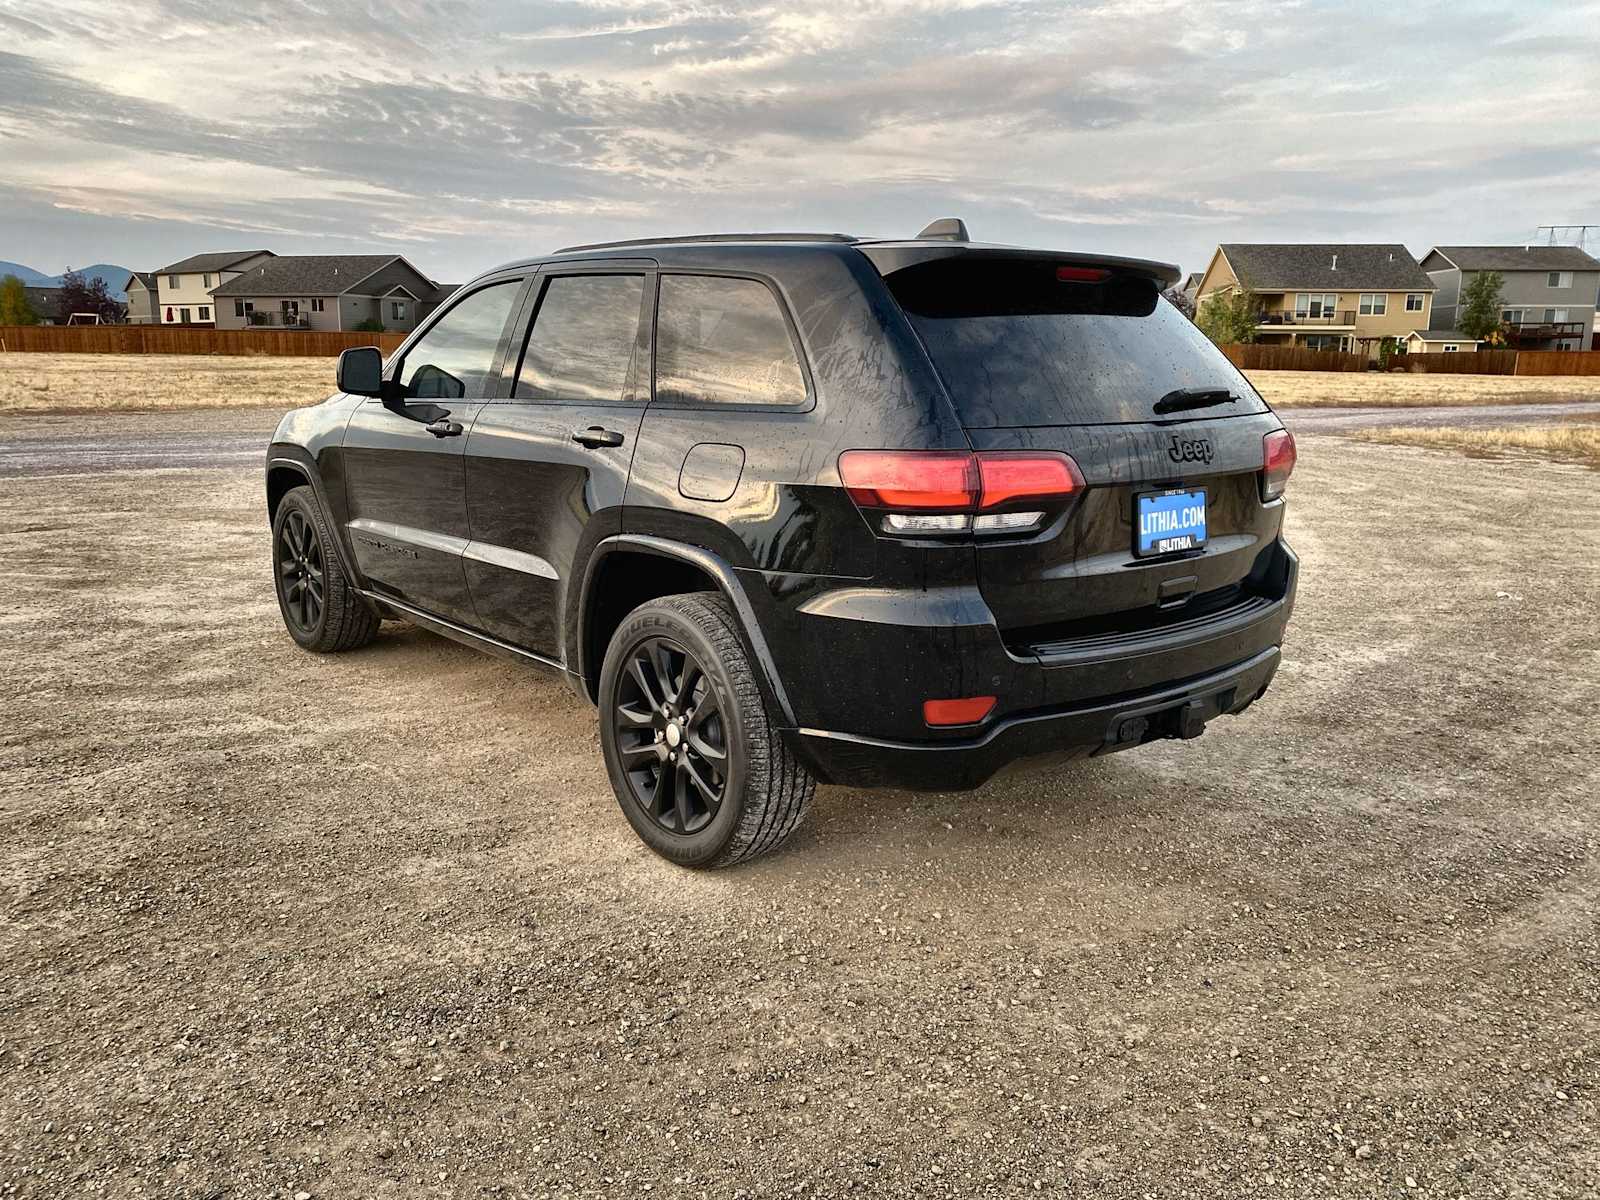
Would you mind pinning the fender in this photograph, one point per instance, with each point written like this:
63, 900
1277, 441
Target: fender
283, 455
727, 583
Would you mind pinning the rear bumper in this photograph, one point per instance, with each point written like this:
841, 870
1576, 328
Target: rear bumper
1178, 710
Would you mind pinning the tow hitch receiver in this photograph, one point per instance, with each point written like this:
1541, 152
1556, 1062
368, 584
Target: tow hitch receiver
1186, 721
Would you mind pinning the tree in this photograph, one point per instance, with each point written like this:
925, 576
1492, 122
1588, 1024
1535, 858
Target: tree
80, 295
1180, 300
1481, 302
14, 306
1226, 317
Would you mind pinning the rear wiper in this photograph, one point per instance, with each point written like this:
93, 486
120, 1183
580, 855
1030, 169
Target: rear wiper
1185, 398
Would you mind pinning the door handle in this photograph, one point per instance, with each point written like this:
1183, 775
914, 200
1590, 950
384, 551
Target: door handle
595, 436
444, 427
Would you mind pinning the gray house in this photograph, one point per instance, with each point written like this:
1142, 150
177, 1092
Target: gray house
143, 297
327, 291
1548, 297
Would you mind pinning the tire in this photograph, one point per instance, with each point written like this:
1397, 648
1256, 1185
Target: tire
319, 607
764, 791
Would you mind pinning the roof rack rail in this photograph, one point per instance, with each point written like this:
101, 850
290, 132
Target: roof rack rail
713, 237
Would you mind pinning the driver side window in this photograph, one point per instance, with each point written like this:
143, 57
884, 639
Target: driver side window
453, 360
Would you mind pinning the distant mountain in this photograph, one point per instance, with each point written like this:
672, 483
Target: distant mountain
114, 276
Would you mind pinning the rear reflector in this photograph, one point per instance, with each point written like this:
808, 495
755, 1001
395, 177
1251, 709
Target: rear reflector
1277, 463
967, 711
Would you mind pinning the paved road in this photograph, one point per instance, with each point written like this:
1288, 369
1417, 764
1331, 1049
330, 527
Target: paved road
152, 441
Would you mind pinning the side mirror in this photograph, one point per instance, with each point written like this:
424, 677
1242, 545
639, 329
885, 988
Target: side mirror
361, 372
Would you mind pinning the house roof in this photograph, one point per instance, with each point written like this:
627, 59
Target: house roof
1518, 258
206, 264
148, 278
1349, 266
306, 275
1443, 335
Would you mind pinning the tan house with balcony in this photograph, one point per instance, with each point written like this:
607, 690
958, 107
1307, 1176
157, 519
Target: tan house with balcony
1347, 296
185, 287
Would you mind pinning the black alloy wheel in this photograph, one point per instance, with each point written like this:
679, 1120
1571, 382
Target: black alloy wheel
300, 572
670, 736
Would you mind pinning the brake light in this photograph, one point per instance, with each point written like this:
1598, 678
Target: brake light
910, 480
969, 710
1082, 274
952, 491
1277, 463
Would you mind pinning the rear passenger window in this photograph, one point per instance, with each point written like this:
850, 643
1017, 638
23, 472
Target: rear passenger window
724, 341
452, 360
584, 336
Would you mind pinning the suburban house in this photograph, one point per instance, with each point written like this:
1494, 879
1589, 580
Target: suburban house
328, 291
185, 286
1438, 341
1346, 297
1548, 296
142, 297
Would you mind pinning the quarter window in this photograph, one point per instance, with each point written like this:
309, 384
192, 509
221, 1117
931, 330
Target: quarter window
584, 337
454, 358
1374, 304
1413, 301
724, 341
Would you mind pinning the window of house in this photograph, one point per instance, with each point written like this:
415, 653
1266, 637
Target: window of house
1413, 301
584, 337
724, 341
183, 315
454, 358
1511, 316
290, 308
205, 312
1558, 279
205, 281
1450, 349
172, 281
1374, 304
239, 308
397, 310
316, 304
1315, 304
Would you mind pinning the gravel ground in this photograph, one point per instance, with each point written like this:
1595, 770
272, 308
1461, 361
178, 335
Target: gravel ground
283, 925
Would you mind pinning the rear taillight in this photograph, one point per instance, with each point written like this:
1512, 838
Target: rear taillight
1277, 463
943, 492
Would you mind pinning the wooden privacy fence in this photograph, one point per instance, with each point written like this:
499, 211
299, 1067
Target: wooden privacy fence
187, 339
1469, 362
1251, 357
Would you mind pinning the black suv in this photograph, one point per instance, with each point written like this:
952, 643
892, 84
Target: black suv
807, 507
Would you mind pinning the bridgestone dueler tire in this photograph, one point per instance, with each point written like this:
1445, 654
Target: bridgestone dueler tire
766, 790
346, 621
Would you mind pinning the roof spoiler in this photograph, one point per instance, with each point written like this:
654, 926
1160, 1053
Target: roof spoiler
945, 229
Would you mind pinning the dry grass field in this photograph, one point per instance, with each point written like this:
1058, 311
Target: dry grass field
83, 382
1336, 389
102, 382
1572, 443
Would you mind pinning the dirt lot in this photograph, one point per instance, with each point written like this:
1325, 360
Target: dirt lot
1301, 389
370, 925
85, 382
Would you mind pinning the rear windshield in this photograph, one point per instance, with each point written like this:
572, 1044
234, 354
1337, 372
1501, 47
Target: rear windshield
1017, 344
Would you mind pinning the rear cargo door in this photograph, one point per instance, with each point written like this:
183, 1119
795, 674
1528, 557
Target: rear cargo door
1043, 354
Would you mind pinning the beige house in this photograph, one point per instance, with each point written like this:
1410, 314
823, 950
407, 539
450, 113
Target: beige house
185, 287
1347, 297
328, 292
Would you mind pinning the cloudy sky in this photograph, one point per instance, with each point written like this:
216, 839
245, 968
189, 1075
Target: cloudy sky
462, 134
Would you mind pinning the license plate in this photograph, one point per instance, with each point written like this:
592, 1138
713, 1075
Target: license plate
1169, 521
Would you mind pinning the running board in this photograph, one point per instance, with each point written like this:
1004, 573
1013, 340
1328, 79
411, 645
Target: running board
460, 633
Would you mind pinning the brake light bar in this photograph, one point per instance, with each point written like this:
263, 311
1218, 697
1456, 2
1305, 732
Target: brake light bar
957, 480
1082, 274
1277, 462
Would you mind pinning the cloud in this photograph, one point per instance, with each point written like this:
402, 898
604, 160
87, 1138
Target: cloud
473, 132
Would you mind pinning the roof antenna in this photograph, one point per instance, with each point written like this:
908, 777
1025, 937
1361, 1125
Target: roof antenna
945, 229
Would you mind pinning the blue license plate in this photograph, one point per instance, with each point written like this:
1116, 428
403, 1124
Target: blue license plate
1165, 522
